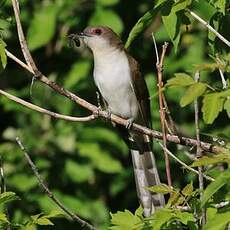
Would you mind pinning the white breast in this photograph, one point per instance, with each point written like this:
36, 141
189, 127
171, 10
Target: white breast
112, 77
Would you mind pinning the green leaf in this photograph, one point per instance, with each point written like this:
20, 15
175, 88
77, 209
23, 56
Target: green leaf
7, 197
107, 18
172, 27
219, 4
123, 220
194, 91
212, 188
180, 80
107, 2
55, 213
212, 106
141, 24
174, 197
162, 188
41, 220
227, 106
3, 218
187, 190
220, 158
180, 5
78, 72
78, 172
184, 217
161, 217
3, 57
218, 222
100, 158
42, 27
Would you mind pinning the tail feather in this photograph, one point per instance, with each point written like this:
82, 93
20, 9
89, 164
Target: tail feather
146, 175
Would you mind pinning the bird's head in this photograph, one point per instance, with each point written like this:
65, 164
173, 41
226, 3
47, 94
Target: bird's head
100, 38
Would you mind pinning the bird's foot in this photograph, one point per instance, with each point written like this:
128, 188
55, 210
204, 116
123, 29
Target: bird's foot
129, 123
108, 114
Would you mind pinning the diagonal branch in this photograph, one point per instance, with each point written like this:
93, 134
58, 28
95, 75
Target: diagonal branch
43, 185
202, 21
208, 147
45, 111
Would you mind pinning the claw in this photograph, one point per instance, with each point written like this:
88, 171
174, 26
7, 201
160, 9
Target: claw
129, 123
108, 115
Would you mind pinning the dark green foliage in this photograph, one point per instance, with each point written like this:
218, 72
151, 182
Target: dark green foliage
86, 165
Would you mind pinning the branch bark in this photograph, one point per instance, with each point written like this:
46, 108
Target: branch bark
43, 185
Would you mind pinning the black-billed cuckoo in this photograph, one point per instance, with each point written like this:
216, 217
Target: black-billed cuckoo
124, 90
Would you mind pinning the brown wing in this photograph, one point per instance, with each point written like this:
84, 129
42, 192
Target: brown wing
141, 91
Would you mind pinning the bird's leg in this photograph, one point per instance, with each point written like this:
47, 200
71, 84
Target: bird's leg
129, 123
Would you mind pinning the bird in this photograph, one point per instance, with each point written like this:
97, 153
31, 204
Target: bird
118, 78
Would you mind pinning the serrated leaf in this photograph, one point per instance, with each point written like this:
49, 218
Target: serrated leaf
107, 18
212, 188
218, 222
212, 106
162, 188
42, 27
227, 106
7, 197
3, 57
180, 80
194, 91
141, 24
124, 220
187, 190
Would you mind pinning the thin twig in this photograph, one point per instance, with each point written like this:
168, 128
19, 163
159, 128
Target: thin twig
43, 185
159, 66
199, 151
45, 111
208, 147
223, 39
183, 164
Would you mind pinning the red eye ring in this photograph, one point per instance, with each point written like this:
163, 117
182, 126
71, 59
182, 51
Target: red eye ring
97, 31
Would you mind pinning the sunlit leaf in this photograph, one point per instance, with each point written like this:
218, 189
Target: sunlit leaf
7, 197
194, 91
3, 218
42, 27
162, 188
123, 220
180, 80
212, 188
218, 222
212, 106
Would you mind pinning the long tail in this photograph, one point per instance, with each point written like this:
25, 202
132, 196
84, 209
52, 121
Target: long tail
146, 175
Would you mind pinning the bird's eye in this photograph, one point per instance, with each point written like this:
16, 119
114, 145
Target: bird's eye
98, 31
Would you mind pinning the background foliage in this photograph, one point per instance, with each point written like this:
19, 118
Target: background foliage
86, 165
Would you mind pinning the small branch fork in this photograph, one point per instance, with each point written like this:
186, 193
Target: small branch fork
159, 66
42, 184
